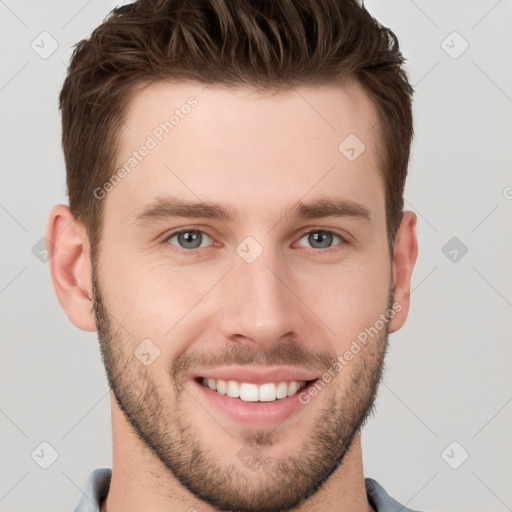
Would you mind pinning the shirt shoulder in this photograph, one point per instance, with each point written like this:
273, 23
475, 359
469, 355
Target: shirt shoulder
95, 490
380, 500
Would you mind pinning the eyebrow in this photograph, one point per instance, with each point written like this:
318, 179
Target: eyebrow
172, 207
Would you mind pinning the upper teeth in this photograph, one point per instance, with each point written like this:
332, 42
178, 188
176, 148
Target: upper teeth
249, 392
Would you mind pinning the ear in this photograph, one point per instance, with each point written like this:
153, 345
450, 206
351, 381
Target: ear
404, 258
70, 266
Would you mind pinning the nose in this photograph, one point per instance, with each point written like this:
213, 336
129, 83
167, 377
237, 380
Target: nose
260, 305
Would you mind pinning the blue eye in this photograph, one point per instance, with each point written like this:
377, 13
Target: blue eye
321, 239
188, 239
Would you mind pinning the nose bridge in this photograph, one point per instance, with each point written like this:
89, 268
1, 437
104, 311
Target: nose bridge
260, 306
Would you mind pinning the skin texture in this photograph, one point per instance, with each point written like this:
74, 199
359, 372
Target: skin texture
297, 304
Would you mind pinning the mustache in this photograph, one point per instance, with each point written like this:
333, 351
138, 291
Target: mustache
286, 353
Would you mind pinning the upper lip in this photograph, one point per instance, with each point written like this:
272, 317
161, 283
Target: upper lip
257, 374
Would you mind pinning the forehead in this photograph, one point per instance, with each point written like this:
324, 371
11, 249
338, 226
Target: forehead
247, 148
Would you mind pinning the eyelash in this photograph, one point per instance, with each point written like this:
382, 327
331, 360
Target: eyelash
193, 252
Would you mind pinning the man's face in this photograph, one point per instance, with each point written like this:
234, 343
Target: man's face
265, 289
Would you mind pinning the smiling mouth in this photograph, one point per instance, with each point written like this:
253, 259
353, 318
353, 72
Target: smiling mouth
251, 392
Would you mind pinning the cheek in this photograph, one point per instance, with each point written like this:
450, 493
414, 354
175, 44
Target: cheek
159, 303
148, 293
348, 297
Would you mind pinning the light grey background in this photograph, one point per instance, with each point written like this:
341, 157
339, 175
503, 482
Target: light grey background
447, 375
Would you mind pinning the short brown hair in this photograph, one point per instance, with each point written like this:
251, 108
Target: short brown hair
269, 45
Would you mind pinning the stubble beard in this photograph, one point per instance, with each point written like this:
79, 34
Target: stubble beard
227, 483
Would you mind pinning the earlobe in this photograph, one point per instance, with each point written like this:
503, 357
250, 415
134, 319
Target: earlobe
70, 266
404, 259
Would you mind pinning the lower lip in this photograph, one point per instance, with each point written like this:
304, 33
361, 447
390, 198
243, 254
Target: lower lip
254, 414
